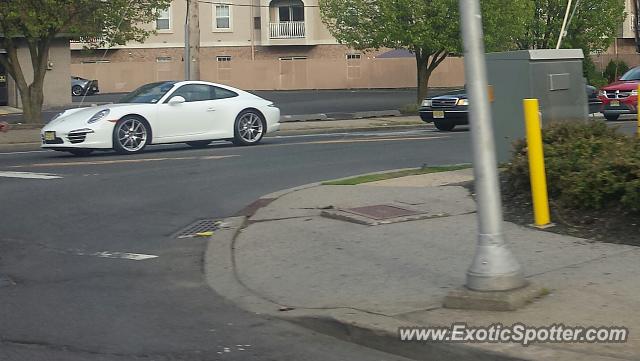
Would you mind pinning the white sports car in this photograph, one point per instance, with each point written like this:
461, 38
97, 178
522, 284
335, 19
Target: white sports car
193, 112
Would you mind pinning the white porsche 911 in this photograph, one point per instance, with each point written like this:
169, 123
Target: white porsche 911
193, 112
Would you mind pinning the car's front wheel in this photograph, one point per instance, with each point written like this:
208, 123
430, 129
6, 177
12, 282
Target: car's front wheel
248, 128
611, 117
130, 135
443, 125
76, 90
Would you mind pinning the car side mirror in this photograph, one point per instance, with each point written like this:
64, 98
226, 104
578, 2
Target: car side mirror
177, 100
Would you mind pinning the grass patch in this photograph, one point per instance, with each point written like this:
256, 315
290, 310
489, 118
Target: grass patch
403, 173
410, 109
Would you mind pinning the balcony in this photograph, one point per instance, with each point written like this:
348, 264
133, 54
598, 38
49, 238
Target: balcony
287, 30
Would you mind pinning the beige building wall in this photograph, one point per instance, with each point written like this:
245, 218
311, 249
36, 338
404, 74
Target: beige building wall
57, 83
274, 74
260, 50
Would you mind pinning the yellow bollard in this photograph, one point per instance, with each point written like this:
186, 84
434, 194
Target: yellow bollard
638, 113
536, 164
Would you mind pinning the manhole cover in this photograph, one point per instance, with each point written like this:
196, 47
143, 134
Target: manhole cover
204, 225
381, 211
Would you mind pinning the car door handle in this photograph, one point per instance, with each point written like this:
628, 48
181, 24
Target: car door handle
211, 109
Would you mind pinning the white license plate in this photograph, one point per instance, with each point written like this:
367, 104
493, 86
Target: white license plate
49, 136
438, 114
615, 103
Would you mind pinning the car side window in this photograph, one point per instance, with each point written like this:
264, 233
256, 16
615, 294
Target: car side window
196, 92
224, 93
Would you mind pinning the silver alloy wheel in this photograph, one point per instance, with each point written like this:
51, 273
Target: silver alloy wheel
250, 127
132, 134
76, 90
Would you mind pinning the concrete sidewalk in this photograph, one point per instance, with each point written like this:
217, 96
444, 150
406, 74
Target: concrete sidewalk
308, 256
27, 135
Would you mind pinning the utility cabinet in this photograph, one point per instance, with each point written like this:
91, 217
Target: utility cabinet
554, 77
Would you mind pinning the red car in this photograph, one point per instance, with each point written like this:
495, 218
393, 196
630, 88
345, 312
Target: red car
621, 97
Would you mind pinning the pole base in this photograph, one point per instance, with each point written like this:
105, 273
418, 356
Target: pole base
464, 298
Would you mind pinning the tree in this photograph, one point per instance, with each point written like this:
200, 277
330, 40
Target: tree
36, 23
593, 27
428, 28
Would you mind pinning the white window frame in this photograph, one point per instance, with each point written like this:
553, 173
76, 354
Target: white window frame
169, 17
214, 25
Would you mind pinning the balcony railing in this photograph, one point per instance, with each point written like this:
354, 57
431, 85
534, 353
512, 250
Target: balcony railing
287, 30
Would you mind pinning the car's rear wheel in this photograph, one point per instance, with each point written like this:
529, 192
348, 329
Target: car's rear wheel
76, 90
130, 135
611, 117
444, 126
248, 128
199, 144
80, 152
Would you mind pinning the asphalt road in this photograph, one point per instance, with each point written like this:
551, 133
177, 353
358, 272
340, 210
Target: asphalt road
67, 244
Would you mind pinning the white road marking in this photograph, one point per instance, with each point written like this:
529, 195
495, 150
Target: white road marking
29, 175
119, 255
25, 152
122, 161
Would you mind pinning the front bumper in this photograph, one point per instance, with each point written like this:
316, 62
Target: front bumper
96, 136
458, 115
623, 108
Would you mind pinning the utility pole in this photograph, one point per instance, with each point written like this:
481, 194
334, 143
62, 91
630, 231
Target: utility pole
494, 268
187, 56
193, 15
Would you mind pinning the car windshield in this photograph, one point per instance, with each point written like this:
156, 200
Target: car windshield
633, 74
149, 93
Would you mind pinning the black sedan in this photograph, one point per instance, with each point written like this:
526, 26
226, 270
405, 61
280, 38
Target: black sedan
447, 111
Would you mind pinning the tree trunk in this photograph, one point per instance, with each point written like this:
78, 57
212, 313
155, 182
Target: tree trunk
423, 76
32, 100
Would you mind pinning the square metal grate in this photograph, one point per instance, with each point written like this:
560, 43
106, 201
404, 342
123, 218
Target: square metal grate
203, 225
381, 212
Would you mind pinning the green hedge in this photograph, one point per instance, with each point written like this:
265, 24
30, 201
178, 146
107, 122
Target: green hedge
588, 166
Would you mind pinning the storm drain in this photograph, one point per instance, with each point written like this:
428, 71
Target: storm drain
198, 228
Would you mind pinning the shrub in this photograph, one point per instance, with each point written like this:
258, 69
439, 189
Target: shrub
615, 69
593, 75
588, 166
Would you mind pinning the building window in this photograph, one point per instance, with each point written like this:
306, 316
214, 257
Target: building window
163, 59
354, 56
163, 22
224, 58
222, 17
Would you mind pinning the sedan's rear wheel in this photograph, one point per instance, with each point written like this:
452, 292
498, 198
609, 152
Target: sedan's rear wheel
444, 126
249, 128
130, 135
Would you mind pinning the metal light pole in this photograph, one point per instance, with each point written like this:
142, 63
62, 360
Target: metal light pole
187, 55
494, 268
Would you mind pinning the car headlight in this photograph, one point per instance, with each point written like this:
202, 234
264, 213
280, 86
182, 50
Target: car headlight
99, 115
426, 103
601, 93
463, 102
634, 92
